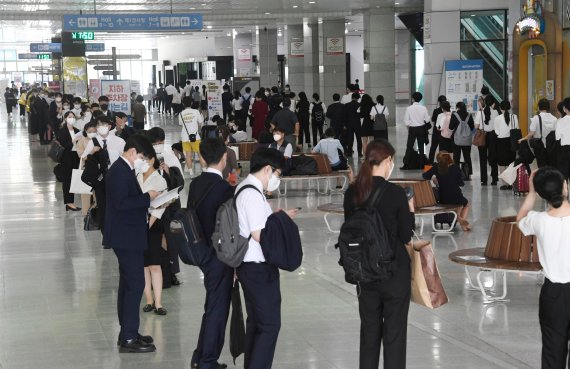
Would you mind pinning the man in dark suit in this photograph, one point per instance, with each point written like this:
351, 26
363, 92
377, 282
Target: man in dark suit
210, 190
121, 128
352, 121
126, 229
335, 113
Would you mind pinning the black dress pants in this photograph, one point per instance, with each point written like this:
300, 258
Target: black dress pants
383, 308
131, 287
262, 292
417, 134
101, 196
304, 132
218, 281
353, 131
554, 317
563, 162
317, 127
168, 104
466, 150
435, 136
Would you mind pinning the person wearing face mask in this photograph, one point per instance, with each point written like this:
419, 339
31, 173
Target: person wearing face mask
76, 107
84, 117
70, 160
104, 106
56, 112
284, 148
383, 306
122, 130
89, 133
150, 179
259, 280
207, 192
105, 149
126, 232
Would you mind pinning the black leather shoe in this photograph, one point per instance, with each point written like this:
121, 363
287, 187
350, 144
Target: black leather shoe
69, 208
174, 281
160, 311
136, 346
145, 339
220, 366
148, 308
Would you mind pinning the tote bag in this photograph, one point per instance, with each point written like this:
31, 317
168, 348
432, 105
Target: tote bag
77, 185
509, 175
427, 289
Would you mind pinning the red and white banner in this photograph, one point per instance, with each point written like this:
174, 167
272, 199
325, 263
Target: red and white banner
118, 93
335, 45
297, 49
244, 54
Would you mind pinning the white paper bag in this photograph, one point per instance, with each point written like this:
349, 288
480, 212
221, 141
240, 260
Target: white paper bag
77, 185
236, 150
509, 175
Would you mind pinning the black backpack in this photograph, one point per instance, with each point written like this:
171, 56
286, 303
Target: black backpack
366, 252
303, 165
318, 112
186, 232
245, 104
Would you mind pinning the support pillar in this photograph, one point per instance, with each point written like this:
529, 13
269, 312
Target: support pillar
311, 59
333, 78
243, 46
295, 63
268, 64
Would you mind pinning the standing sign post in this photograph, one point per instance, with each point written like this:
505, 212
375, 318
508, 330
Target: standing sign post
463, 82
118, 93
214, 91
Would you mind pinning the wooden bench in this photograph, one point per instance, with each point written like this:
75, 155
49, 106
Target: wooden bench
507, 251
426, 205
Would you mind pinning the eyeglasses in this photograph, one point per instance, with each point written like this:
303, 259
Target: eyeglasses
277, 172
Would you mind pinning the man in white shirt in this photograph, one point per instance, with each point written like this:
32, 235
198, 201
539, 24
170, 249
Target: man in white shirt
415, 118
259, 280
563, 134
191, 121
348, 97
541, 125
170, 90
188, 89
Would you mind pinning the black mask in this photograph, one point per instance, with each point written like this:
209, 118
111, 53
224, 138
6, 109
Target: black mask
104, 106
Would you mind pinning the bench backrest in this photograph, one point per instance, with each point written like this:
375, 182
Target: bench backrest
423, 193
323, 163
506, 242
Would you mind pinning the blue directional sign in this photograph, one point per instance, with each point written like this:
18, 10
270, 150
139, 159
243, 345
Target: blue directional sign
94, 47
132, 22
45, 48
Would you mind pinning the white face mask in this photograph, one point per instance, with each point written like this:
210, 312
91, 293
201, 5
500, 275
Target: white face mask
92, 134
140, 165
66, 107
276, 137
77, 106
103, 130
158, 148
58, 99
266, 93
391, 170
70, 121
273, 183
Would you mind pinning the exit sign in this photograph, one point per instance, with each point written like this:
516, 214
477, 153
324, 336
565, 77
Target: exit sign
43, 56
87, 36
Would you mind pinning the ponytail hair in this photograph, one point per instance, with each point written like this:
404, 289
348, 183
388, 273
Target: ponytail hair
489, 102
506, 107
376, 152
549, 184
461, 108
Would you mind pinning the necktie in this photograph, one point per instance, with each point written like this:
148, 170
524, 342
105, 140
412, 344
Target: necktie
105, 148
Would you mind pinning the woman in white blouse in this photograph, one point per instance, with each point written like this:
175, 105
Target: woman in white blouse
552, 231
485, 120
238, 114
563, 134
151, 180
503, 125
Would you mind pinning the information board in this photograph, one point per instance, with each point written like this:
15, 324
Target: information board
463, 82
132, 22
214, 94
118, 93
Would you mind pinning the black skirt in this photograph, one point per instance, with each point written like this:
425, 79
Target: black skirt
154, 253
367, 127
505, 156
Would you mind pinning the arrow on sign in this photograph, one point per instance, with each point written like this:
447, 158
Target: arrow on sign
71, 23
195, 21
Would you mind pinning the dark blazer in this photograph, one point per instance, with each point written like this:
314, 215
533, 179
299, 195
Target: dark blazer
221, 191
352, 117
69, 159
281, 243
54, 120
126, 224
335, 113
127, 132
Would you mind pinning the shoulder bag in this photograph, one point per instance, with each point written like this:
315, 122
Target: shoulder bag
55, 152
536, 143
515, 134
480, 136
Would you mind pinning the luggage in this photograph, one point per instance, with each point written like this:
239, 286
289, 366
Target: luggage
229, 244
526, 156
515, 135
366, 252
521, 185
303, 165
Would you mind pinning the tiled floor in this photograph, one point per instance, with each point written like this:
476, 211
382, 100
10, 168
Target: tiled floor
58, 288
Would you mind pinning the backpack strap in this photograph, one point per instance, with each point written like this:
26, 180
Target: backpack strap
237, 194
376, 196
383, 109
197, 203
540, 122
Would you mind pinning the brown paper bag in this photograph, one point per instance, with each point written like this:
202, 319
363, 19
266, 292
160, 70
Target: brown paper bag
427, 289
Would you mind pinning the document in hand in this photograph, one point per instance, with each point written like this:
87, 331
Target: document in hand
164, 198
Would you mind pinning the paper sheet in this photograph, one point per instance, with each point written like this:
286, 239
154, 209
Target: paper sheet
164, 198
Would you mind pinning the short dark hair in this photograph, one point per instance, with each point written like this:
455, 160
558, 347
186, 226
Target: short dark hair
103, 119
187, 101
120, 115
446, 106
87, 126
355, 96
566, 103
212, 150
417, 96
549, 184
103, 98
560, 108
140, 98
485, 90
316, 96
274, 89
141, 144
156, 134
195, 105
336, 97
543, 105
380, 99
441, 98
286, 102
94, 105
280, 130
263, 157
248, 89
329, 132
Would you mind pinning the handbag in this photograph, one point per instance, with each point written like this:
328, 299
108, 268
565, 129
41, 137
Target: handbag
427, 289
237, 326
55, 152
90, 222
515, 134
509, 175
536, 143
480, 137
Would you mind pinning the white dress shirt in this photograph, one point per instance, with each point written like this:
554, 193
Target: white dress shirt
345, 99
115, 147
552, 234
548, 125
155, 182
416, 115
502, 129
563, 131
170, 90
193, 120
480, 120
330, 147
253, 211
377, 109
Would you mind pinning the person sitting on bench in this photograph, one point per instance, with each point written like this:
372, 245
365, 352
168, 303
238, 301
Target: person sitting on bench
449, 180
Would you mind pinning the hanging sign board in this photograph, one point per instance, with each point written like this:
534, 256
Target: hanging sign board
297, 49
335, 45
244, 54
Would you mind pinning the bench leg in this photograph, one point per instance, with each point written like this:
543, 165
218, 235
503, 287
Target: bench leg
421, 226
475, 287
487, 298
328, 224
451, 227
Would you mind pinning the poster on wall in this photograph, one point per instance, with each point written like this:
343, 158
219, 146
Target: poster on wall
94, 90
549, 85
297, 49
196, 83
244, 54
566, 15
118, 93
214, 94
335, 45
427, 28
463, 82
54, 86
136, 86
75, 76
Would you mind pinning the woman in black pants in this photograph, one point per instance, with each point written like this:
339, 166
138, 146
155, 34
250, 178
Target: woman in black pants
66, 136
384, 306
461, 111
485, 120
303, 115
